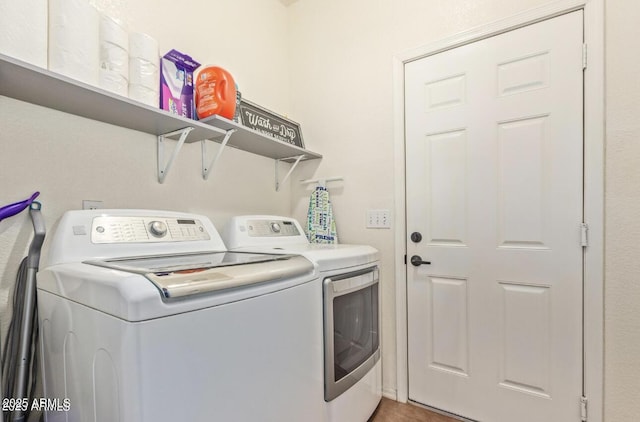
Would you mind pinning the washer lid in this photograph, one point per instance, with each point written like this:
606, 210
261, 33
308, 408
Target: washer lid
189, 274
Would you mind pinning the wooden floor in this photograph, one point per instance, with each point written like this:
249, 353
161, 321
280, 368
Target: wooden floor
392, 411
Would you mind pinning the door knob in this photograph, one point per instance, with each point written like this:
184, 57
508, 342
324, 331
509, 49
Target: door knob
416, 237
416, 261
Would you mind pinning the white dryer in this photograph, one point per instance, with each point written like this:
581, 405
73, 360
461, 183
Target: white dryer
145, 317
348, 288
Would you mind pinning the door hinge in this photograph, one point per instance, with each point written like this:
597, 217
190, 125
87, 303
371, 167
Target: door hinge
583, 409
584, 234
584, 56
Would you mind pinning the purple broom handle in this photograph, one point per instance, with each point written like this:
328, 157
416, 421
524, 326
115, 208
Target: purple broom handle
13, 209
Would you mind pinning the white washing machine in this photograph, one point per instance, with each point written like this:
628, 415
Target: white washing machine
348, 288
145, 318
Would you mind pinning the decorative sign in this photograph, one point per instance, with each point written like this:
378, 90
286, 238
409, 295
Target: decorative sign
270, 124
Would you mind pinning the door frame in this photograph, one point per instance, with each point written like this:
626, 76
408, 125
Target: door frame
594, 126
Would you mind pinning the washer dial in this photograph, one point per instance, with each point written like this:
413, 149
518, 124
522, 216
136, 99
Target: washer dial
158, 228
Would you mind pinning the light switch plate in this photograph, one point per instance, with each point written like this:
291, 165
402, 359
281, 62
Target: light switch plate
378, 219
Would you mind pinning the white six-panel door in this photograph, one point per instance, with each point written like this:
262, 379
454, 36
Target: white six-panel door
494, 180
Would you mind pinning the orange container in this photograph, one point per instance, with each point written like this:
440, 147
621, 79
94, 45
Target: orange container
215, 93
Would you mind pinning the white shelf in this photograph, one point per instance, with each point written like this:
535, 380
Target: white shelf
25, 82
32, 84
248, 139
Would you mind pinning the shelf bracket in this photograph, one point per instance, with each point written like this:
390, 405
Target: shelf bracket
278, 183
206, 170
163, 169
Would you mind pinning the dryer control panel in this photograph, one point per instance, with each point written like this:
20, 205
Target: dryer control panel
119, 229
270, 228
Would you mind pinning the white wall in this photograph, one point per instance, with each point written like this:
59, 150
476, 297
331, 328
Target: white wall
69, 159
622, 210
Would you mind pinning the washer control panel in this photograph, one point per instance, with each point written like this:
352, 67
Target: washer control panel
271, 228
111, 229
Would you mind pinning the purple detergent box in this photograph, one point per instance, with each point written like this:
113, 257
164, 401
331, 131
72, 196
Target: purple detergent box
176, 84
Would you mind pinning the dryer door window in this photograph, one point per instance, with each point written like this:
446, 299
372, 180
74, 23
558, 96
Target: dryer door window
351, 329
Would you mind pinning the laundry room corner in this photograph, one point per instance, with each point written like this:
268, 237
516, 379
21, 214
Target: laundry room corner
338, 71
70, 159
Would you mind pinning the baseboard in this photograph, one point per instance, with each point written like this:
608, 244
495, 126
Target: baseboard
390, 393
